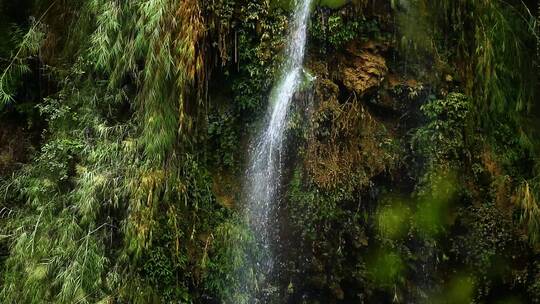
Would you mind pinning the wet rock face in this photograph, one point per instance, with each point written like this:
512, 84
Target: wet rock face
362, 70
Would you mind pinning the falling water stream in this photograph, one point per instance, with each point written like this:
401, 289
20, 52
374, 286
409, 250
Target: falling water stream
264, 172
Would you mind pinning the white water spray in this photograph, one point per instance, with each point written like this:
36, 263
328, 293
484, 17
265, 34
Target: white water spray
264, 173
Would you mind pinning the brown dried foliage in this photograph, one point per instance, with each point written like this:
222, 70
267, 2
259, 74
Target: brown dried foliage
347, 146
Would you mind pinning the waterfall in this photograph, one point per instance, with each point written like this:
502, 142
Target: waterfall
264, 172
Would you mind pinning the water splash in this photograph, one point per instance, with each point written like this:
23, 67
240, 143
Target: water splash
264, 173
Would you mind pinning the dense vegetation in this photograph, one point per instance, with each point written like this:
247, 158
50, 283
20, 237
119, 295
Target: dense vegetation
413, 171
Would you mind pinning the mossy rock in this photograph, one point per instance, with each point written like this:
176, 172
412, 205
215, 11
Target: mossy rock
362, 68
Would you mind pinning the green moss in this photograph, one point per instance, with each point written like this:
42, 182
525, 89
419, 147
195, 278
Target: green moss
284, 4
333, 3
